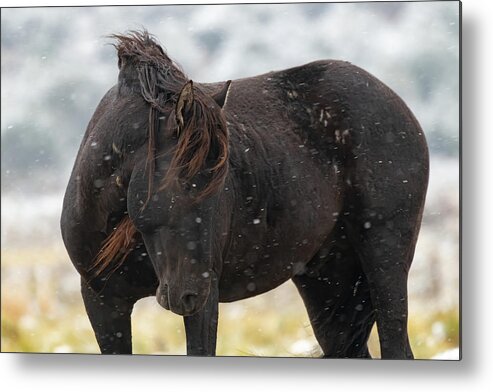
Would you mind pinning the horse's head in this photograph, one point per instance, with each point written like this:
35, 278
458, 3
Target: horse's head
173, 197
165, 148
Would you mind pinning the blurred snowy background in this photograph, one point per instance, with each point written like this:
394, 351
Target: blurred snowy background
56, 65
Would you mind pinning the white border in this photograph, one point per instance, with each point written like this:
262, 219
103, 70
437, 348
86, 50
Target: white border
95, 373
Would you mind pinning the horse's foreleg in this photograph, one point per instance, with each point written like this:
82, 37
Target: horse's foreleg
201, 328
110, 319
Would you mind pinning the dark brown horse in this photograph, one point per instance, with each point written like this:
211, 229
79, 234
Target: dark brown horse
207, 193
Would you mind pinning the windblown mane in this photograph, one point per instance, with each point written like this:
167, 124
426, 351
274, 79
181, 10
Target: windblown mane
202, 146
202, 139
160, 78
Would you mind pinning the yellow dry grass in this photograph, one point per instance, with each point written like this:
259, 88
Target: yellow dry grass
42, 311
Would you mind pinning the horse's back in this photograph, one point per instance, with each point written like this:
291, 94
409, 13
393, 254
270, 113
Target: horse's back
342, 111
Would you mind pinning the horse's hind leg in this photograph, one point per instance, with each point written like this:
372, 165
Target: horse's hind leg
384, 235
336, 295
386, 247
386, 177
387, 254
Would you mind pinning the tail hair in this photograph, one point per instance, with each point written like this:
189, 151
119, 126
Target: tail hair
115, 248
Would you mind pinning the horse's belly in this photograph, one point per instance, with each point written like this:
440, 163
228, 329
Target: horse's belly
261, 259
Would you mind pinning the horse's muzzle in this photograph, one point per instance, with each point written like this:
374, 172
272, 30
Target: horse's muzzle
184, 304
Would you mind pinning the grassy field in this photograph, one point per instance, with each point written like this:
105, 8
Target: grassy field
42, 311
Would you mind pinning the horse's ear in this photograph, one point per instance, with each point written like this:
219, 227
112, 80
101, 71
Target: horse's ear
184, 103
220, 97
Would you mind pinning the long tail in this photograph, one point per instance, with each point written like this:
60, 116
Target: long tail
116, 247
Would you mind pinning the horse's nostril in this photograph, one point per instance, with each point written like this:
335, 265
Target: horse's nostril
189, 299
